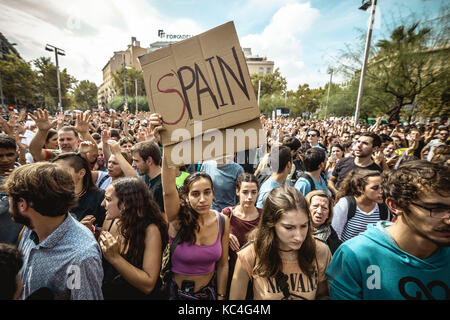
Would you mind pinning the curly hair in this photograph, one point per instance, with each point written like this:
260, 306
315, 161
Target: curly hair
356, 180
414, 178
279, 201
188, 217
139, 210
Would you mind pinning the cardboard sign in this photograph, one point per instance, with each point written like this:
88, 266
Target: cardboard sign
204, 78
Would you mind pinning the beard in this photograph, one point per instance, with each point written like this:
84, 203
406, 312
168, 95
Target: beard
18, 217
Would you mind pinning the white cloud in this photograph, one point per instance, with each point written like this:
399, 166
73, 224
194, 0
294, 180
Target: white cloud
89, 31
281, 42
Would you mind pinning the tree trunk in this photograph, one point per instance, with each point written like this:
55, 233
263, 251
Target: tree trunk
394, 111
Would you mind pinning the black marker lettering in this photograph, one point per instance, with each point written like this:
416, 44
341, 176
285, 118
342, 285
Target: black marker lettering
217, 82
241, 84
198, 74
185, 88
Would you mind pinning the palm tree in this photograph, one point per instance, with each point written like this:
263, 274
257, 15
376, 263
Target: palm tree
406, 64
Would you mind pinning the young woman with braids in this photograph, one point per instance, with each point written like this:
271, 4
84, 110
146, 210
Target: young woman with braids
359, 203
284, 261
133, 256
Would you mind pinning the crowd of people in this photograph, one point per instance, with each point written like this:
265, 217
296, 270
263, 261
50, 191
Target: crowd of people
90, 209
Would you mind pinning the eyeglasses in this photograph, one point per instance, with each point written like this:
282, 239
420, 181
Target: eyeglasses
438, 212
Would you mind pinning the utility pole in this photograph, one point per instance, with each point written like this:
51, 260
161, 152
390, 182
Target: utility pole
135, 85
61, 52
366, 54
125, 105
330, 71
1, 93
259, 90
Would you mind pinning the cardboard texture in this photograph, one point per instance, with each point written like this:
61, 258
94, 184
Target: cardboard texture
204, 78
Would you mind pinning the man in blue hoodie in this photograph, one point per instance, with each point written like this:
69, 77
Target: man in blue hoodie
410, 258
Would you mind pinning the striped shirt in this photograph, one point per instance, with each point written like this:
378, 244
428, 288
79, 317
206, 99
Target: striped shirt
349, 229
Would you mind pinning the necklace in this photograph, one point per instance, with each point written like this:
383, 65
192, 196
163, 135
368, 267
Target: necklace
82, 193
286, 250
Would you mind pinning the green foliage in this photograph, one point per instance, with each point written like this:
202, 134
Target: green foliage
272, 83
131, 74
18, 80
408, 67
308, 99
85, 95
47, 83
117, 103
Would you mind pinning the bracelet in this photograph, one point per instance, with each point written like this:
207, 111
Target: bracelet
222, 295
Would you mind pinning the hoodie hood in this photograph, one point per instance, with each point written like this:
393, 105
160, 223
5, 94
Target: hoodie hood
378, 234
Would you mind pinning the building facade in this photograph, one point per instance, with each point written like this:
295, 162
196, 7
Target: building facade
256, 64
129, 57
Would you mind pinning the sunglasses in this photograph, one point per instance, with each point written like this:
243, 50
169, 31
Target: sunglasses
311, 135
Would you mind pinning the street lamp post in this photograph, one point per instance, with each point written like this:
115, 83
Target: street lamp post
364, 7
61, 52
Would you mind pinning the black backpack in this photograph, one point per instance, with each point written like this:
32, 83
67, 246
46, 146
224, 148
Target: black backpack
310, 179
384, 211
263, 175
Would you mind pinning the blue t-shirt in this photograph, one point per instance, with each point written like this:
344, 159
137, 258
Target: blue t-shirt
371, 266
265, 189
224, 181
304, 186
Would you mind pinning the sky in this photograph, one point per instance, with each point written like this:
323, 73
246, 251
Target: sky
303, 38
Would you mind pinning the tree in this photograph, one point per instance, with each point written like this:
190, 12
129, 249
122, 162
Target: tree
18, 80
131, 74
309, 99
407, 67
117, 104
47, 83
271, 83
85, 95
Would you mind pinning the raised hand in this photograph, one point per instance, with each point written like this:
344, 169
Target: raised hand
86, 147
82, 122
155, 125
106, 135
6, 127
40, 117
114, 146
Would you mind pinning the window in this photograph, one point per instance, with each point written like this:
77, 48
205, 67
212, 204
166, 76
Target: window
261, 70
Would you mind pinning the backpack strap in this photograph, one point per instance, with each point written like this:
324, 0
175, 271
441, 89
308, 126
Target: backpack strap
384, 211
103, 180
310, 180
351, 207
221, 224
